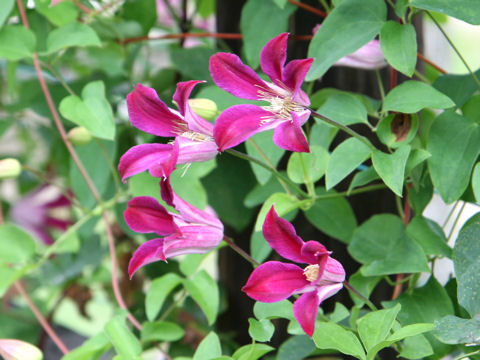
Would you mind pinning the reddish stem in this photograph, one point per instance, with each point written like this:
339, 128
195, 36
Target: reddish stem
393, 78
308, 8
424, 59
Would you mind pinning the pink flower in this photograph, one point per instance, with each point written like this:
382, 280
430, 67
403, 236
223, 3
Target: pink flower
275, 281
193, 135
11, 349
288, 109
39, 211
191, 230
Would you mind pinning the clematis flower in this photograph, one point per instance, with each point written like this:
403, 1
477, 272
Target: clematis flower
193, 135
12, 349
288, 109
275, 281
42, 210
190, 231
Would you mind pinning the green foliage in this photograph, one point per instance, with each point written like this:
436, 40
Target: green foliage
259, 146
466, 10
344, 108
16, 246
251, 352
5, 9
391, 167
399, 45
123, 340
158, 292
333, 336
161, 331
309, 167
16, 43
70, 35
209, 348
261, 331
204, 290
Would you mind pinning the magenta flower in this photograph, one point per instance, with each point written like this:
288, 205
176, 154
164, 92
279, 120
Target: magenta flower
41, 210
288, 109
275, 281
193, 135
190, 231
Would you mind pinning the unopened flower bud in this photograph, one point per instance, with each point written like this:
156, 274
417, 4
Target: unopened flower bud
10, 168
79, 136
12, 349
206, 108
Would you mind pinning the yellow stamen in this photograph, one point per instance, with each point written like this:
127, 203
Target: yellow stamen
311, 272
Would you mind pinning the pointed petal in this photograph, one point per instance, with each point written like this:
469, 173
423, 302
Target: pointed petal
316, 253
325, 291
164, 168
305, 310
195, 122
289, 135
233, 76
145, 254
293, 77
145, 215
187, 211
274, 281
237, 123
150, 114
282, 237
333, 272
195, 151
143, 157
272, 58
192, 240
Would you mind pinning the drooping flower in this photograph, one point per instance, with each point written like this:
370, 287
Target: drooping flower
288, 109
190, 231
42, 210
193, 135
275, 281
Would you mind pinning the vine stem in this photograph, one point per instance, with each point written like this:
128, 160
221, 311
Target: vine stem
363, 298
41, 319
346, 129
81, 168
240, 251
308, 8
424, 59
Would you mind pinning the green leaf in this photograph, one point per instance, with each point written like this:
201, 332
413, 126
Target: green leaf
429, 235
339, 34
204, 291
339, 313
6, 7
412, 96
92, 348
399, 45
476, 182
416, 347
7, 277
252, 352
362, 178
142, 11
364, 285
410, 330
297, 347
466, 259
308, 167
397, 129
265, 15
416, 157
209, 348
92, 111
16, 42
259, 247
16, 246
333, 336
382, 245
69, 35
458, 87
192, 62
260, 193
471, 109
62, 13
333, 216
374, 327
158, 292
453, 142
454, 330
263, 142
344, 108
280, 309
261, 331
161, 331
466, 10
123, 340
189, 265
284, 204
391, 167
344, 159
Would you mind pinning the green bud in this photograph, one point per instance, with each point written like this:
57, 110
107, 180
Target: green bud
10, 168
206, 108
79, 136
12, 349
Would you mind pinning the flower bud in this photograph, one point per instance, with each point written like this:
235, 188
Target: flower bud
206, 108
79, 136
10, 168
12, 349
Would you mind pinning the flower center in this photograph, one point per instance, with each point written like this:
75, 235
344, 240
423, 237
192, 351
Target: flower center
196, 136
311, 272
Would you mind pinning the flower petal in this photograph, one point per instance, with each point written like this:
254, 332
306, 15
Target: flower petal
368, 57
195, 122
289, 135
195, 151
164, 168
305, 310
274, 281
282, 237
316, 253
187, 211
272, 58
333, 272
150, 114
142, 157
145, 215
193, 239
293, 77
146, 253
233, 76
237, 123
